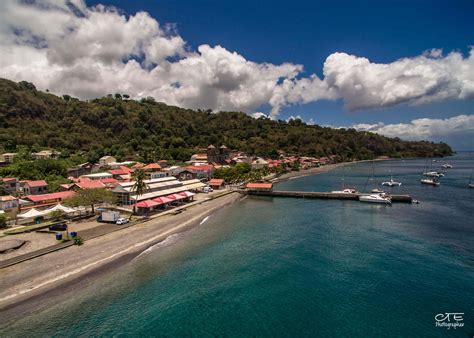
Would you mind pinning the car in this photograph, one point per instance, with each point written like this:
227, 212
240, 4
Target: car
58, 227
121, 221
207, 189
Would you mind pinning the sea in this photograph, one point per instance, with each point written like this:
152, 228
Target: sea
288, 267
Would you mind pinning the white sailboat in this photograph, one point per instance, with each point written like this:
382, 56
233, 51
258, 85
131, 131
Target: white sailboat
381, 198
447, 166
344, 190
391, 183
430, 181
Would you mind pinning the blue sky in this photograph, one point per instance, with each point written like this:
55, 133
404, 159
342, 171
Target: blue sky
375, 37
306, 32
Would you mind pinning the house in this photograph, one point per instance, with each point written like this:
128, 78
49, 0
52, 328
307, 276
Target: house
11, 185
44, 154
217, 184
201, 171
98, 176
159, 174
259, 163
81, 169
259, 186
30, 187
121, 172
152, 167
51, 198
8, 157
106, 160
88, 184
217, 155
8, 203
186, 175
198, 158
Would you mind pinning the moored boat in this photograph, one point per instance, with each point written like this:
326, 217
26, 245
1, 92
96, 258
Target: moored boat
447, 166
392, 183
345, 191
376, 198
433, 174
430, 181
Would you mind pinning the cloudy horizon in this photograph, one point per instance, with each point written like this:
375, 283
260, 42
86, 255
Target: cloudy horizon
89, 51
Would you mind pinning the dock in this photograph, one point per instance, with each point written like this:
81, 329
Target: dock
324, 195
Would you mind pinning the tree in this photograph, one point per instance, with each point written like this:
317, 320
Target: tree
56, 214
90, 197
140, 186
118, 96
3, 221
3, 188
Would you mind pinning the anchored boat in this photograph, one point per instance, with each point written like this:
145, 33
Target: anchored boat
430, 181
381, 198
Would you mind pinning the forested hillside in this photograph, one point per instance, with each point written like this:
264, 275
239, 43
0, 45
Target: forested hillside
147, 130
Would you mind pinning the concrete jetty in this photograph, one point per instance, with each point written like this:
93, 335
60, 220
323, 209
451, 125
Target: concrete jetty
323, 195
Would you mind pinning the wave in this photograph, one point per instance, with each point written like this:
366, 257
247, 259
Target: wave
204, 220
167, 241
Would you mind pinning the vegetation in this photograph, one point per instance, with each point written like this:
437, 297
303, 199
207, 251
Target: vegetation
147, 130
56, 214
3, 221
90, 197
78, 240
140, 185
243, 172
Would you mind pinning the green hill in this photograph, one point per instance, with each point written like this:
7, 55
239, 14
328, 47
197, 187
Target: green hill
148, 130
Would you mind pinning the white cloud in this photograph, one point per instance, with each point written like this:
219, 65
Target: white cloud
457, 130
68, 47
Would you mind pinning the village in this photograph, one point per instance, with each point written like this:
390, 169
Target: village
119, 192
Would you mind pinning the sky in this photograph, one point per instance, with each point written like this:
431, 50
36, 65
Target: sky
398, 68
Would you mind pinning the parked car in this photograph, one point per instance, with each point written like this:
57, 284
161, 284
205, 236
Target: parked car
122, 220
207, 189
58, 227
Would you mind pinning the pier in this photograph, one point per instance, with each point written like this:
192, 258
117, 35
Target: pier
324, 195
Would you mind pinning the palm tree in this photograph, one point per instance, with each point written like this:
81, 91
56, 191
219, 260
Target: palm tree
140, 185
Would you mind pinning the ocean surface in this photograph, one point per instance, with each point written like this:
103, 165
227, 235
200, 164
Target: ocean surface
295, 267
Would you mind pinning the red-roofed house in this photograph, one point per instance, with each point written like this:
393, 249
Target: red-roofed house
216, 183
88, 185
152, 167
201, 171
8, 203
30, 187
11, 185
51, 198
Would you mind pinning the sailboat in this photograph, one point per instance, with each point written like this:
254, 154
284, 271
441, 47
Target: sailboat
447, 166
344, 190
432, 173
381, 198
391, 183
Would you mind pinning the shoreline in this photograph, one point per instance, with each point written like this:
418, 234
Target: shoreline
320, 170
27, 291
35, 292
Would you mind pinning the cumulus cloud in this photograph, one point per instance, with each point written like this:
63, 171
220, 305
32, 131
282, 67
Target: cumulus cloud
426, 78
71, 48
457, 130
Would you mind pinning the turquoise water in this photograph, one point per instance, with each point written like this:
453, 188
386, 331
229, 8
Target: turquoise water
294, 267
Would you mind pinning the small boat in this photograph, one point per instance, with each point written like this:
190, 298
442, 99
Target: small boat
377, 191
415, 202
392, 183
471, 184
345, 191
430, 181
433, 174
447, 166
376, 198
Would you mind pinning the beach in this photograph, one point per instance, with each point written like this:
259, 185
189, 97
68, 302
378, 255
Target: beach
32, 284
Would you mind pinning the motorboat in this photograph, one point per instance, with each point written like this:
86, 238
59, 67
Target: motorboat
345, 191
392, 183
376, 198
430, 181
433, 174
377, 191
447, 166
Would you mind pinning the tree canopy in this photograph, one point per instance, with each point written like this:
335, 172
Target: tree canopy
147, 130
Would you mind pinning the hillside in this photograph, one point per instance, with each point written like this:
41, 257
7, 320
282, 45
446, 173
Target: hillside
147, 130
